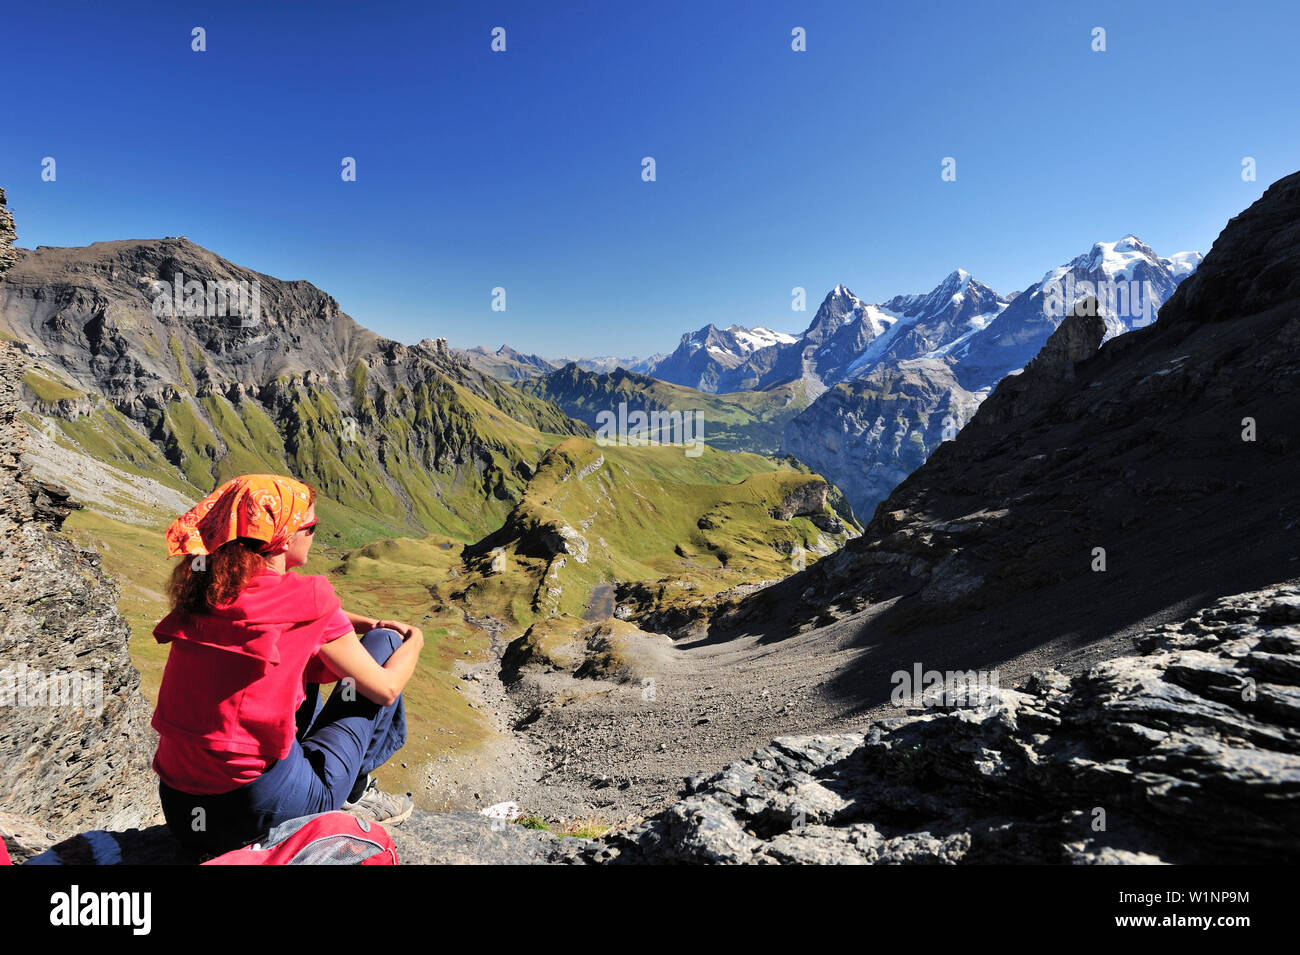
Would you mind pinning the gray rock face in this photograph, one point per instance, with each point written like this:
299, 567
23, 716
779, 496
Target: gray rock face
709, 358
1258, 270
505, 363
1187, 753
8, 255
804, 501
75, 740
838, 332
874, 431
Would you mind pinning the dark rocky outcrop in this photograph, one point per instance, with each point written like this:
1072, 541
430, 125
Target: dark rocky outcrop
806, 500
83, 761
1187, 753
1158, 470
75, 740
1256, 266
1050, 372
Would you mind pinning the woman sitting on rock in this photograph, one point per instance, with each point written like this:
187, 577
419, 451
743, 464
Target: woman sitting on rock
244, 743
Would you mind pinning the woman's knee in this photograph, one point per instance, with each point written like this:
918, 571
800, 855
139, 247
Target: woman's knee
381, 643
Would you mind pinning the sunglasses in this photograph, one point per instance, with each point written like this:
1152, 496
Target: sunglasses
309, 529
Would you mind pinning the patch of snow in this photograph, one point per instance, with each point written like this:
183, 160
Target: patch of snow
961, 343
752, 339
879, 319
1055, 275
886, 326
1182, 263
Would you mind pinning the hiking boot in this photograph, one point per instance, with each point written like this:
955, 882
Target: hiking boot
377, 806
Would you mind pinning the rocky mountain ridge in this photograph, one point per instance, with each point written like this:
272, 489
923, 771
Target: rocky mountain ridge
505, 363
705, 358
141, 339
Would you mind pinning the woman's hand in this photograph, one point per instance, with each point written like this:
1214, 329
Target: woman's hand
363, 625
405, 629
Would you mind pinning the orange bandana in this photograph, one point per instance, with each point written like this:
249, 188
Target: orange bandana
265, 507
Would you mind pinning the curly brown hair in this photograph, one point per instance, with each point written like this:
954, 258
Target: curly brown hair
198, 584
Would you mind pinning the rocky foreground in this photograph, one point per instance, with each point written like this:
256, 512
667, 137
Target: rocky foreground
1187, 753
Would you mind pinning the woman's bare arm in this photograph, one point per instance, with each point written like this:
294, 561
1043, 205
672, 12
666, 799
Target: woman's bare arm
381, 684
361, 624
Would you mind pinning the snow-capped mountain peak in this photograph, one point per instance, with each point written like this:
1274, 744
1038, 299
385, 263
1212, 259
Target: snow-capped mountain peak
1117, 260
961, 322
958, 280
839, 308
1125, 278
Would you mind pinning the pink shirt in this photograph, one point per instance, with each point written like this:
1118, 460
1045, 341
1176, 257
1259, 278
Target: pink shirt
234, 680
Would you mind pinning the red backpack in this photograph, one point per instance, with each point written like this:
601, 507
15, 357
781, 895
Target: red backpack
327, 838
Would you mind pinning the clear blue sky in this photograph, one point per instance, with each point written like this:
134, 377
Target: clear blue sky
523, 169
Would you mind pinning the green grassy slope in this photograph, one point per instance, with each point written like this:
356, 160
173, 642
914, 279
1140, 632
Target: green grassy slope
596, 516
744, 421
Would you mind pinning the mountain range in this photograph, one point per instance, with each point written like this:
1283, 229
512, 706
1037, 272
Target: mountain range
867, 391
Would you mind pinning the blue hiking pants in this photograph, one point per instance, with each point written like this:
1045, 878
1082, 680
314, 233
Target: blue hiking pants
336, 743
